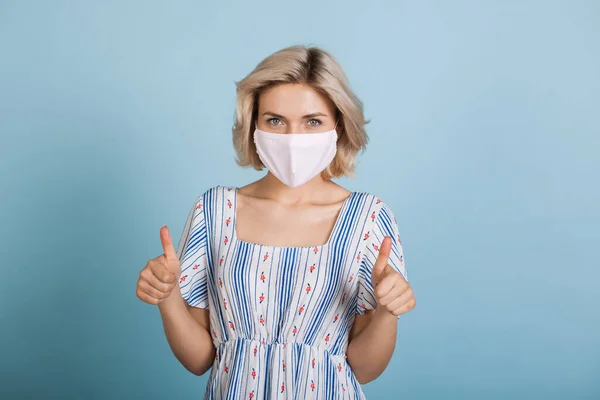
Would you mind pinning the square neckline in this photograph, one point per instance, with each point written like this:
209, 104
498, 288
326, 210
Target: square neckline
332, 234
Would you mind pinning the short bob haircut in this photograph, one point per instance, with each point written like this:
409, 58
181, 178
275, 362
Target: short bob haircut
314, 67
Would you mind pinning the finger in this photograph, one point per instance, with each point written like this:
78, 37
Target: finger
157, 283
150, 290
382, 259
146, 298
400, 300
161, 272
384, 286
399, 290
167, 244
406, 307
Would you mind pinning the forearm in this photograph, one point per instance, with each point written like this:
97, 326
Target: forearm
189, 340
371, 350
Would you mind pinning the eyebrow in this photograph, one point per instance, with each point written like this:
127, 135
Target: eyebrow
317, 114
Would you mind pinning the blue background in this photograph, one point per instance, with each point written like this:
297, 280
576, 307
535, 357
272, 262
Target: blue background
485, 142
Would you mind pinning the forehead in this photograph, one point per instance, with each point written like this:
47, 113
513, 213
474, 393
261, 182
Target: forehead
294, 99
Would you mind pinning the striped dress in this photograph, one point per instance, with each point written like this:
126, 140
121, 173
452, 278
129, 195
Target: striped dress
280, 316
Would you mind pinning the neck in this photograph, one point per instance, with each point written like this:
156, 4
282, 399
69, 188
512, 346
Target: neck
312, 190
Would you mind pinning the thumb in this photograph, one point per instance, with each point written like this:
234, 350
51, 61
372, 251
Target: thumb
382, 260
167, 244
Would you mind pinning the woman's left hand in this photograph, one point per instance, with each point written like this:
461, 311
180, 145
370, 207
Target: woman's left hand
393, 293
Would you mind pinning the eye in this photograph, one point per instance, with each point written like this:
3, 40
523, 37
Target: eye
274, 121
314, 122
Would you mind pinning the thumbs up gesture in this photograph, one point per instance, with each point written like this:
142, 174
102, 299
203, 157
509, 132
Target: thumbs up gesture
160, 275
392, 292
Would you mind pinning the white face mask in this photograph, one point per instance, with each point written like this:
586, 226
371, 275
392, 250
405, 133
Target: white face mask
296, 158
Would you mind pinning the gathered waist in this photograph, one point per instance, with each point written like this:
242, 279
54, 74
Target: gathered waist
257, 345
259, 369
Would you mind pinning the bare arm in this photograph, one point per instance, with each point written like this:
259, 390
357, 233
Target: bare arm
372, 343
188, 332
187, 328
373, 335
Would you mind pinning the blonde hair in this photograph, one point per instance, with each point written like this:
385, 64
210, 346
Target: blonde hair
318, 69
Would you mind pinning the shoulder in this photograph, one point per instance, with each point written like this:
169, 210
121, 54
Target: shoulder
207, 202
215, 192
374, 207
218, 190
370, 201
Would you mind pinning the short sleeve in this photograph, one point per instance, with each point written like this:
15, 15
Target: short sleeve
382, 223
192, 252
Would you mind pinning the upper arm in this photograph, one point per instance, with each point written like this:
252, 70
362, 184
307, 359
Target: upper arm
193, 254
360, 322
201, 315
206, 346
382, 224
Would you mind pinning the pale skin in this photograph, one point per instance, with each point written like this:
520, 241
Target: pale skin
309, 212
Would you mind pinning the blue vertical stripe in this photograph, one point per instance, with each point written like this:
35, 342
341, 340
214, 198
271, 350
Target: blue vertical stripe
284, 305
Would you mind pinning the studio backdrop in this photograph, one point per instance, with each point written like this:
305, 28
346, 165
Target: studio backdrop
484, 140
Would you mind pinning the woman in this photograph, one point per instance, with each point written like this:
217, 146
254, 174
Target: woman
289, 287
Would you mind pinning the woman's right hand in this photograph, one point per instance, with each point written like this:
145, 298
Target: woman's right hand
161, 274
